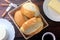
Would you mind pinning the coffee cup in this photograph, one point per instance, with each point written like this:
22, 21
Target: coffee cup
48, 36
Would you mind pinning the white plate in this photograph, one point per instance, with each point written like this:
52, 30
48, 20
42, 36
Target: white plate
50, 13
9, 27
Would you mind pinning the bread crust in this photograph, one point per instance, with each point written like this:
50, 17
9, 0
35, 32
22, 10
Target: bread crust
30, 23
19, 18
30, 10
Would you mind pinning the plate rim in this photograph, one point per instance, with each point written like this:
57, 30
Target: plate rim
45, 11
10, 28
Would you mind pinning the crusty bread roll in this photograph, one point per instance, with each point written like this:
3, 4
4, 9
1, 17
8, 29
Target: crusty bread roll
19, 18
30, 10
32, 26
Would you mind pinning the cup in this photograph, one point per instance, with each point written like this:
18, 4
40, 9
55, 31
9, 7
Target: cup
48, 36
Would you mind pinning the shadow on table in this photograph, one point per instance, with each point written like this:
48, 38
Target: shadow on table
19, 38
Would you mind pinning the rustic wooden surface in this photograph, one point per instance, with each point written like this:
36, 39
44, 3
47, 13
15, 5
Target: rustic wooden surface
53, 27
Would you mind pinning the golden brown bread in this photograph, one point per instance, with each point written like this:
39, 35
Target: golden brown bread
19, 18
30, 10
37, 31
27, 13
32, 26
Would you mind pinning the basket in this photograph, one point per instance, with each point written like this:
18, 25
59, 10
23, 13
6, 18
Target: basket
11, 15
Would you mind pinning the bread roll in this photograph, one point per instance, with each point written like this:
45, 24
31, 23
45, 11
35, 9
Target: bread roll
19, 18
30, 10
32, 26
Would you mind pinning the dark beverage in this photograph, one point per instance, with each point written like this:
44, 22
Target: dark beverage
48, 37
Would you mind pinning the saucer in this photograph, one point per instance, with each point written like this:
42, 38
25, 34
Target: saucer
9, 27
49, 12
3, 33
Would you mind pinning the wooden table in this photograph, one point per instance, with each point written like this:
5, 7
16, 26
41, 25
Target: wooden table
53, 27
